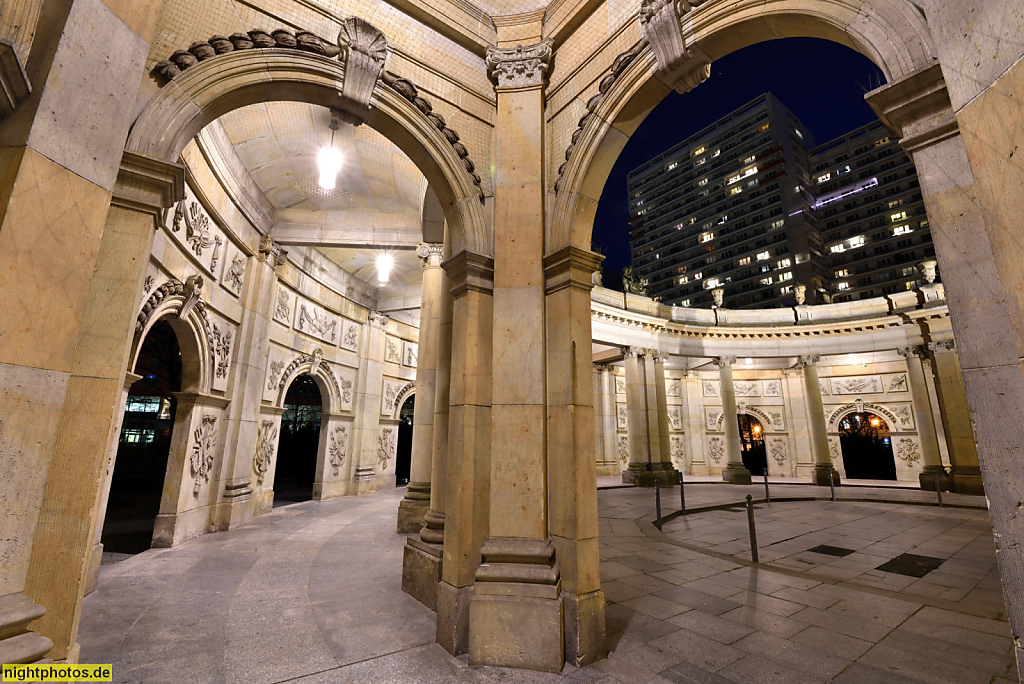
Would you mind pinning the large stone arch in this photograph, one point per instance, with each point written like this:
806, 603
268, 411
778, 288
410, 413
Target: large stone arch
313, 365
893, 423
227, 82
894, 34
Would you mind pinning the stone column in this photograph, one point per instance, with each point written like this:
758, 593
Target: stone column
638, 471
816, 423
417, 496
421, 563
235, 503
734, 472
924, 418
469, 444
670, 474
516, 609
366, 403
963, 451
607, 423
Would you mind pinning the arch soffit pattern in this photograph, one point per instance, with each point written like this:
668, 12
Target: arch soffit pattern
892, 33
407, 391
192, 335
892, 422
216, 86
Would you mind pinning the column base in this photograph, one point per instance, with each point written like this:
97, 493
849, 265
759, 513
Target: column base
92, 572
608, 468
584, 628
640, 475
927, 479
967, 480
515, 615
19, 645
170, 529
736, 473
821, 472
421, 571
413, 507
452, 632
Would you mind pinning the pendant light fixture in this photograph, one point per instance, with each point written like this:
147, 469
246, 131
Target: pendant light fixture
384, 264
329, 160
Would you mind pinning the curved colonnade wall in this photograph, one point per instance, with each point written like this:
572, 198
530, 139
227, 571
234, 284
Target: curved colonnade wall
891, 356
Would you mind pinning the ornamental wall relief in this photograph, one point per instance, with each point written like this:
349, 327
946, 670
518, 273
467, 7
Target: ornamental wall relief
675, 418
313, 320
833, 447
621, 416
234, 274
220, 351
283, 309
620, 384
409, 358
266, 441
194, 229
746, 388
390, 392
676, 450
713, 419
716, 449
907, 450
623, 446
867, 384
392, 345
385, 447
204, 446
711, 388
778, 449
772, 388
897, 382
672, 388
337, 448
349, 335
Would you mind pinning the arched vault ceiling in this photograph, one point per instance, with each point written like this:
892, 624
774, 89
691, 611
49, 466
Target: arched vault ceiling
278, 142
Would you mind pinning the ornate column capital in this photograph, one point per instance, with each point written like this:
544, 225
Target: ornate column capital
943, 347
659, 356
271, 251
377, 319
521, 66
810, 360
604, 368
634, 352
724, 361
430, 254
907, 352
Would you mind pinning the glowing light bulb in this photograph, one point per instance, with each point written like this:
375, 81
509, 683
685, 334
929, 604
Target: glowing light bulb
384, 264
329, 161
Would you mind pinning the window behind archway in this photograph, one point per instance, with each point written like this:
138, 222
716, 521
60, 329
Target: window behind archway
867, 447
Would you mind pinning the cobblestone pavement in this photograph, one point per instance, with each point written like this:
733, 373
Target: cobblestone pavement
312, 593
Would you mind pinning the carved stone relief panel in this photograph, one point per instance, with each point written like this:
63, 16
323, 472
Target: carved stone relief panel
392, 349
234, 270
747, 388
711, 388
778, 449
864, 384
676, 451
411, 352
712, 419
907, 450
834, 449
315, 321
389, 395
337, 447
823, 386
197, 234
346, 383
266, 447
203, 452
675, 418
716, 449
672, 388
276, 363
349, 335
620, 384
386, 445
904, 414
285, 306
776, 417
620, 416
772, 388
896, 382
222, 338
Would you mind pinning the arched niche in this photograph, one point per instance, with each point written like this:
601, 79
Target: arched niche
892, 33
179, 304
237, 79
408, 390
846, 409
312, 364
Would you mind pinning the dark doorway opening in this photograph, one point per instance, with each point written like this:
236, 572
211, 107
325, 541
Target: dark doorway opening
403, 456
299, 442
141, 463
755, 457
867, 447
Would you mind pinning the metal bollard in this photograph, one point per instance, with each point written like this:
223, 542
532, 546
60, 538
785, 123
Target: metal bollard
938, 488
767, 495
753, 532
682, 494
657, 501
831, 483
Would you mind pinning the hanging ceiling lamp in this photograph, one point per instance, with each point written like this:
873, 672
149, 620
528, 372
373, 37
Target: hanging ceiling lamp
329, 160
384, 264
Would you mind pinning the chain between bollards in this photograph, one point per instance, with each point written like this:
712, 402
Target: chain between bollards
657, 501
682, 494
938, 488
753, 532
831, 483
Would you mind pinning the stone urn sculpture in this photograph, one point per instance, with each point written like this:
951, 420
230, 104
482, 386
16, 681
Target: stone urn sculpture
717, 296
927, 269
800, 293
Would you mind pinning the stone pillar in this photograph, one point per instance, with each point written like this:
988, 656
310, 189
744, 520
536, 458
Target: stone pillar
734, 472
235, 503
607, 423
417, 496
965, 473
421, 564
61, 153
816, 423
516, 608
693, 423
366, 404
924, 418
657, 360
638, 471
469, 444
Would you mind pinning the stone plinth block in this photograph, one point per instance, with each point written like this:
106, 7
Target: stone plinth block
421, 571
640, 475
821, 471
967, 480
584, 628
736, 474
413, 507
927, 479
453, 618
509, 629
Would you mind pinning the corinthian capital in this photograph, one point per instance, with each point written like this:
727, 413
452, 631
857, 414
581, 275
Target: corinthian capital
724, 361
809, 360
520, 66
634, 352
430, 253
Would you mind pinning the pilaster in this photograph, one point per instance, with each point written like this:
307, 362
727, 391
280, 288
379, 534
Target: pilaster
816, 423
734, 472
925, 419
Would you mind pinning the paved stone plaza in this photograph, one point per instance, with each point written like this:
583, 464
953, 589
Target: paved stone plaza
312, 593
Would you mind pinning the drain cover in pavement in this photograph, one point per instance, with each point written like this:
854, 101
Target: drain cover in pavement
831, 550
910, 565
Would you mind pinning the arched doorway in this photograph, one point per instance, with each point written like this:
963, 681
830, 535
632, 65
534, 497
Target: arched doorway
403, 456
752, 444
867, 447
144, 444
299, 442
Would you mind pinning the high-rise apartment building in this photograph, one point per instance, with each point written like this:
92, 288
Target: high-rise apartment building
729, 207
870, 213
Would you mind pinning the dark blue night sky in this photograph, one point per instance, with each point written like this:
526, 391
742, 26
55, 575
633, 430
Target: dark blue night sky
821, 82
